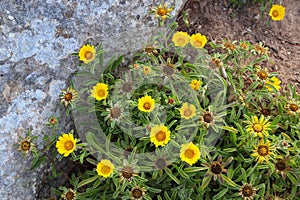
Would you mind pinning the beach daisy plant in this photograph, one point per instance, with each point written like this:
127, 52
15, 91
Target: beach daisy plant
184, 117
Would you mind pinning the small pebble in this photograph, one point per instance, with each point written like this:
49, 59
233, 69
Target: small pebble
11, 18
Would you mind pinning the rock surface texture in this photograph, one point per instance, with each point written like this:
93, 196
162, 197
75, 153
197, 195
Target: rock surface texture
37, 40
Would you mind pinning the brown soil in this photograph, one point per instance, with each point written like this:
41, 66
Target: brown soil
218, 20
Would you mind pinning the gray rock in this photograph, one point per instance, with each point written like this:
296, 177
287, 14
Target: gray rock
37, 39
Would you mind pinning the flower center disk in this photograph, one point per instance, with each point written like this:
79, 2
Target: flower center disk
162, 11
293, 107
116, 113
160, 163
105, 169
88, 55
187, 112
216, 168
70, 195
207, 117
137, 193
25, 146
69, 145
262, 75
280, 165
247, 191
101, 93
68, 96
257, 127
160, 136
189, 153
147, 106
275, 13
263, 150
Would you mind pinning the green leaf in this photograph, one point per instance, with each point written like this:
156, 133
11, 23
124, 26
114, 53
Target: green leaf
229, 150
154, 190
194, 169
252, 63
220, 194
159, 197
205, 182
97, 183
171, 175
239, 127
87, 181
292, 178
244, 175
228, 181
167, 196
230, 129
37, 161
174, 194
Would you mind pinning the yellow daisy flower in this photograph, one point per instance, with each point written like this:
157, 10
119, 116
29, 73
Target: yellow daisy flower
195, 84
198, 40
99, 92
293, 108
162, 11
25, 145
262, 151
105, 168
69, 195
275, 82
137, 193
146, 104
87, 53
68, 96
260, 49
217, 168
189, 153
262, 74
277, 12
247, 191
147, 70
187, 111
159, 135
66, 144
258, 127
180, 38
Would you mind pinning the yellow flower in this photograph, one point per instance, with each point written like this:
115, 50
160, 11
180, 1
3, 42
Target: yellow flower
195, 84
162, 11
247, 191
137, 193
105, 168
207, 119
189, 153
277, 12
180, 38
293, 108
146, 70
159, 135
260, 49
187, 111
262, 151
275, 82
146, 104
87, 53
25, 145
68, 96
198, 40
258, 127
262, 74
69, 195
66, 144
99, 92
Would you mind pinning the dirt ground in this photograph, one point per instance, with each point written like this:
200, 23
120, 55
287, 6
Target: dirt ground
218, 20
